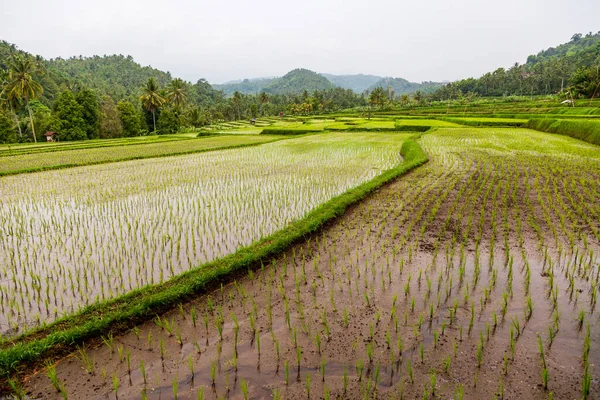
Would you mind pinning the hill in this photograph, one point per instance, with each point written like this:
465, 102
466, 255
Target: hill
297, 81
358, 83
402, 86
245, 86
117, 76
572, 66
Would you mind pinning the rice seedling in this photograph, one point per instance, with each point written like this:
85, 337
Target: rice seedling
287, 372
17, 390
115, 381
359, 369
410, 371
244, 388
87, 361
581, 318
213, 373
528, 309
345, 380
175, 386
51, 374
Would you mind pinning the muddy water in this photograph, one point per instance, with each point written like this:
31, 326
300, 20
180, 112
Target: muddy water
362, 266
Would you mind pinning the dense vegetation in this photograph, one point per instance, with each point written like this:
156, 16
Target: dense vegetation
297, 81
245, 86
103, 97
399, 86
571, 67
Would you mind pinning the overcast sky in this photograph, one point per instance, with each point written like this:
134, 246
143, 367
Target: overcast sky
230, 39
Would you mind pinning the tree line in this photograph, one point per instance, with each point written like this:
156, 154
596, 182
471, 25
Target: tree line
572, 68
80, 113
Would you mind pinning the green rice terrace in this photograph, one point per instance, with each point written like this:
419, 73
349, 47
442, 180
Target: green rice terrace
439, 255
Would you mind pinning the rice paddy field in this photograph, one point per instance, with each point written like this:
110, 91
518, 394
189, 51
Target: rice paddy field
28, 158
80, 235
473, 276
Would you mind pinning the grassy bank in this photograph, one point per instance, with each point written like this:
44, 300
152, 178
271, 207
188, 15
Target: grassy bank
588, 131
61, 336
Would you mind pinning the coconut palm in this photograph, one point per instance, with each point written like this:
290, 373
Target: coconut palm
263, 98
22, 84
151, 99
177, 93
377, 96
6, 102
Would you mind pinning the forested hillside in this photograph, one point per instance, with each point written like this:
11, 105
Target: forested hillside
401, 86
245, 86
298, 81
113, 96
573, 67
118, 76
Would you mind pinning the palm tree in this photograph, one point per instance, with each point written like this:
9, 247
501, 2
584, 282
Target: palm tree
237, 99
7, 102
177, 93
22, 85
377, 97
151, 99
263, 98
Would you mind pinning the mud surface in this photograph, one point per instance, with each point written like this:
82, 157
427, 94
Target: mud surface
413, 293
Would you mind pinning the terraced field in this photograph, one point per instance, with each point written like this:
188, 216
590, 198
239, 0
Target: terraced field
39, 158
73, 237
474, 276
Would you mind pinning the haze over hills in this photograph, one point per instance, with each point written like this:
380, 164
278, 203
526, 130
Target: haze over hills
121, 77
358, 83
304, 79
402, 86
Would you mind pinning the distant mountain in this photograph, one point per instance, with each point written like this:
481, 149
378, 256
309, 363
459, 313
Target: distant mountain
358, 83
297, 81
245, 86
402, 86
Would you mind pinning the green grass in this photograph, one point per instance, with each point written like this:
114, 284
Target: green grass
43, 147
588, 131
74, 157
482, 121
425, 122
300, 130
63, 335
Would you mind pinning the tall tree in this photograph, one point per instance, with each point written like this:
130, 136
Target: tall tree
177, 93
70, 124
377, 96
91, 111
151, 99
7, 102
7, 131
263, 98
130, 119
22, 85
110, 123
237, 100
